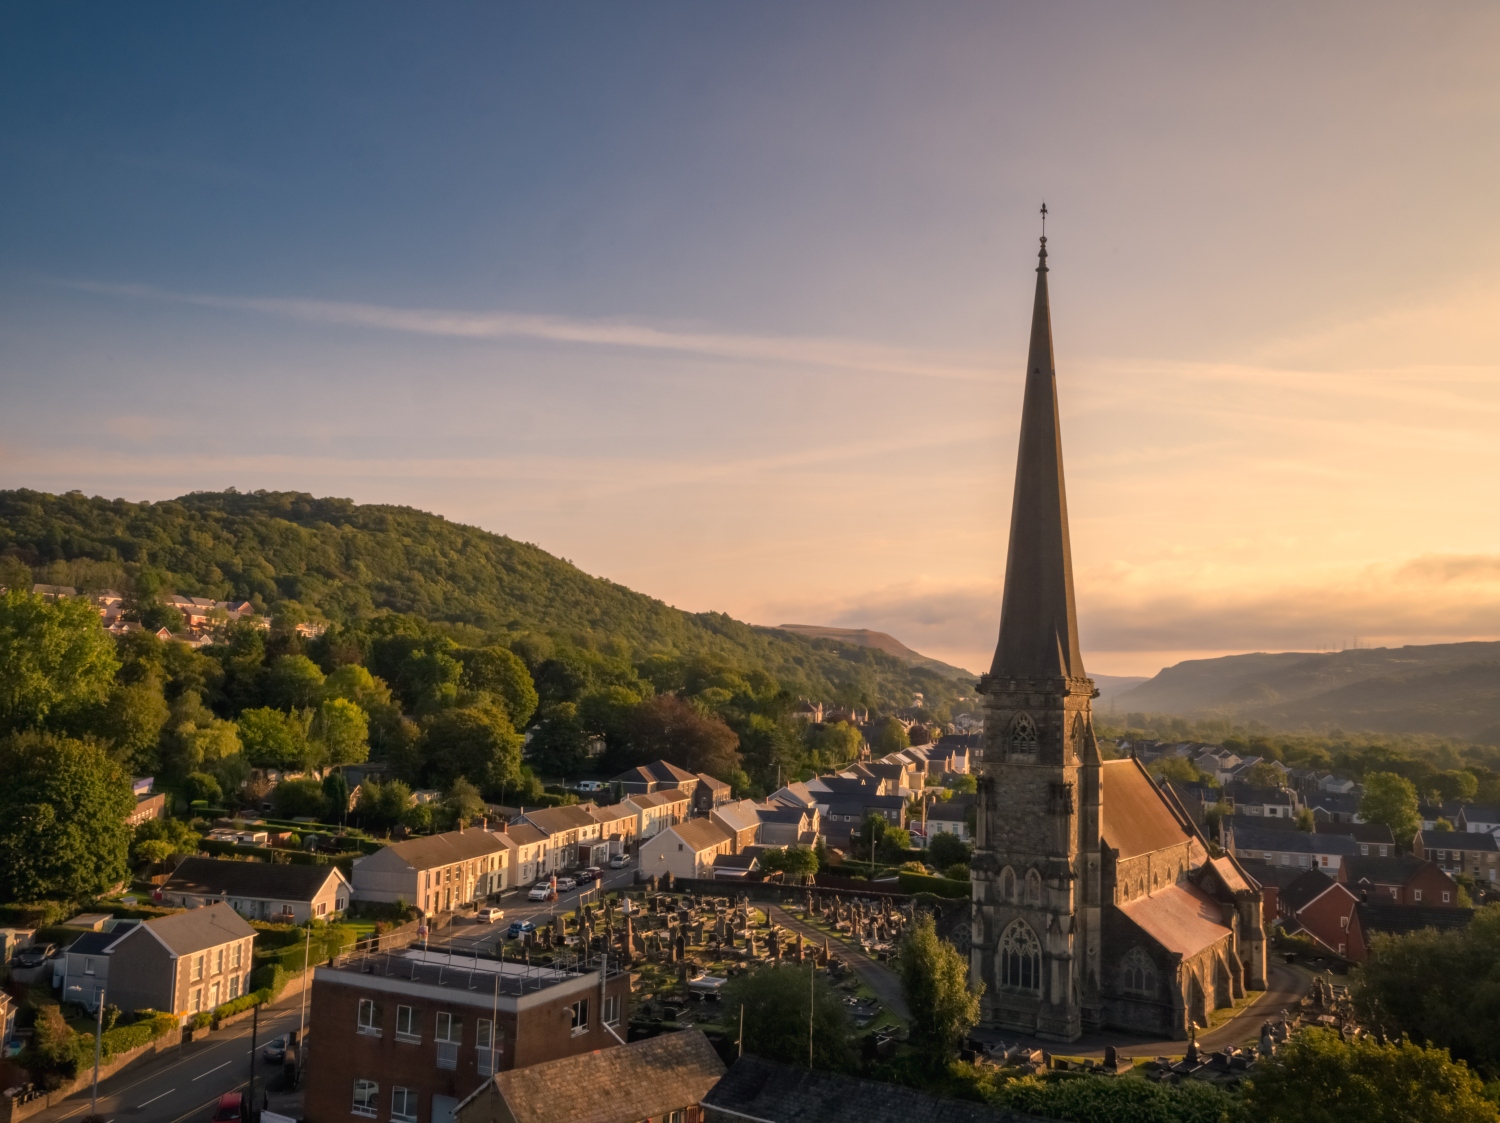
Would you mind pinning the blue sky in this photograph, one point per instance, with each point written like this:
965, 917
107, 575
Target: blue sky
728, 302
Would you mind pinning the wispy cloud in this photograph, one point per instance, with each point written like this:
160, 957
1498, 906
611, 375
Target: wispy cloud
790, 350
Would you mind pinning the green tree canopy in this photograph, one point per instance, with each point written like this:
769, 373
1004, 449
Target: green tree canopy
667, 728
833, 746
132, 721
499, 671
559, 745
202, 786
273, 739
474, 742
342, 732
462, 805
777, 1001
63, 807
1392, 800
293, 682
354, 683
294, 798
935, 982
945, 850
56, 660
889, 736
1318, 1077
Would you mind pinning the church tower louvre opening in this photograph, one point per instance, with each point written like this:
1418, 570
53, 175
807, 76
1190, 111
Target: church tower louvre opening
1036, 875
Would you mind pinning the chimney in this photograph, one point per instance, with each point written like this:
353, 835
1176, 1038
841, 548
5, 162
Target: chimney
503, 825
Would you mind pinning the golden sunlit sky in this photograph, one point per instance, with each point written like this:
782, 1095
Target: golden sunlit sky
729, 303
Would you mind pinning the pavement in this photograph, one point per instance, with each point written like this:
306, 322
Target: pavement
184, 1084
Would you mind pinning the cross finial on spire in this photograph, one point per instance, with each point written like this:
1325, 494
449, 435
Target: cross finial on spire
1044, 220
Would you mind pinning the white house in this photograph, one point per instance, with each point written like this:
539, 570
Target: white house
686, 850
438, 873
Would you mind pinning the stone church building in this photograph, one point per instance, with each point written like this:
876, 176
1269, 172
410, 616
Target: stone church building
1096, 903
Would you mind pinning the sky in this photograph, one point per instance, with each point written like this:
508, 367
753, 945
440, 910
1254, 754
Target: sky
729, 302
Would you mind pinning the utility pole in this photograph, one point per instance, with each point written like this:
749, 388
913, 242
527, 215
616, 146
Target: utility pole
306, 972
741, 1041
812, 997
98, 1047
247, 1111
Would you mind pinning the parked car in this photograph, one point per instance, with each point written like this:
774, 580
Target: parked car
35, 955
540, 892
231, 1104
592, 785
519, 928
489, 915
565, 884
619, 861
591, 873
276, 1050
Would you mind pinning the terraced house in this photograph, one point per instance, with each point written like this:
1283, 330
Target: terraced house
439, 873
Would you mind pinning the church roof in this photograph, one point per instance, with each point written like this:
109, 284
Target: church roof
1136, 820
1038, 617
1181, 918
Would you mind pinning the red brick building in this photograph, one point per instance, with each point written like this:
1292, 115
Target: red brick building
1373, 920
403, 1038
1403, 880
1320, 907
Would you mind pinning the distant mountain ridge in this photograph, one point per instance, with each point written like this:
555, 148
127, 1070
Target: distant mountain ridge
1450, 689
880, 641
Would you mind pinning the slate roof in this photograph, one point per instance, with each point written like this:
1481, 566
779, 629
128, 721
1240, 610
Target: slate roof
1377, 833
664, 798
197, 929
739, 816
1268, 873
950, 810
744, 861
643, 1080
701, 834
755, 1088
216, 877
713, 785
1398, 920
1307, 888
1397, 870
1296, 842
443, 849
1237, 823
524, 834
556, 820
1136, 820
96, 943
1459, 840
1181, 918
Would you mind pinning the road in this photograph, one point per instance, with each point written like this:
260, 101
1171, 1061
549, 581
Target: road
182, 1086
469, 936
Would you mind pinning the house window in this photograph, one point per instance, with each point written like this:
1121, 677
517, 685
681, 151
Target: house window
234, 986
1021, 958
322, 909
1416, 895
1344, 923
1394, 893
219, 961
197, 1003
404, 1105
450, 1034
235, 954
369, 1017
580, 1014
366, 1093
197, 968
88, 965
485, 1047
611, 1009
1447, 896
407, 1027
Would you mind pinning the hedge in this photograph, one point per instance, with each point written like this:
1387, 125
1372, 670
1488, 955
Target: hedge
938, 886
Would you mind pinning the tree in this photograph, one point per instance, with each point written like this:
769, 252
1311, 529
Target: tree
935, 982
559, 745
463, 805
475, 742
342, 732
870, 832
1318, 1077
1392, 800
1459, 784
799, 863
177, 836
299, 798
200, 786
946, 849
273, 739
965, 784
889, 736
777, 1001
893, 844
500, 671
336, 792
132, 721
1437, 987
294, 682
670, 729
833, 745
354, 683
63, 807
1265, 775
56, 660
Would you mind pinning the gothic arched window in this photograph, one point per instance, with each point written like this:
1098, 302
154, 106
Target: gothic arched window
1138, 973
1021, 958
1033, 887
1023, 734
1008, 884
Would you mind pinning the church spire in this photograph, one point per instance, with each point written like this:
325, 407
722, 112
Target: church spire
1038, 619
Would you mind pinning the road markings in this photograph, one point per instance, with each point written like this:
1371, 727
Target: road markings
153, 1099
211, 1071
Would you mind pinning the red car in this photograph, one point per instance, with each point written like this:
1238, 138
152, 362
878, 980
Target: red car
230, 1109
